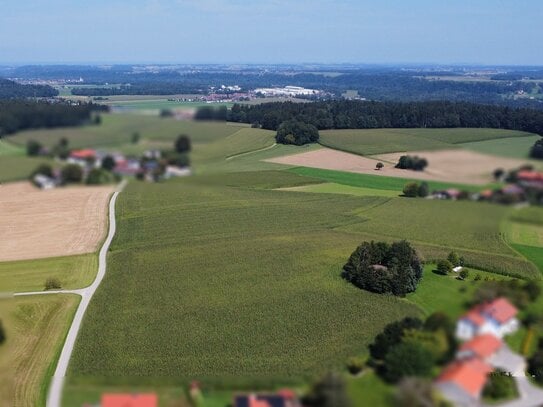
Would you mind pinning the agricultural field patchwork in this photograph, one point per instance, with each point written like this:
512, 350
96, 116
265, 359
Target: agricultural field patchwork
512, 147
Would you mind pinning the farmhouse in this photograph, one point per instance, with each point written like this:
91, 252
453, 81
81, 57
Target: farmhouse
482, 346
497, 317
463, 380
129, 400
82, 157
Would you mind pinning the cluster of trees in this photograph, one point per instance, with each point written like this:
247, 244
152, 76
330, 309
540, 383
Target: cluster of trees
410, 162
14, 90
296, 132
381, 267
520, 293
414, 189
445, 266
18, 115
345, 114
180, 155
211, 113
411, 347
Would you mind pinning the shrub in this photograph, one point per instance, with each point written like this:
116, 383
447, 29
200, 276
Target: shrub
108, 163
2, 333
52, 283
182, 144
411, 190
444, 267
355, 365
379, 166
166, 113
424, 190
407, 359
98, 176
330, 391
135, 138
43, 169
408, 162
500, 385
71, 173
296, 132
416, 392
384, 268
464, 273
33, 148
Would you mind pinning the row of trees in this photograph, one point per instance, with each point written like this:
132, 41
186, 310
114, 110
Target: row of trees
344, 114
412, 162
18, 115
384, 268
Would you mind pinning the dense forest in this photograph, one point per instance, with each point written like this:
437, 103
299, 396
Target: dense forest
13, 90
18, 115
343, 114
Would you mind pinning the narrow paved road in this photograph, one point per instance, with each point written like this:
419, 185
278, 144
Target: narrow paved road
57, 383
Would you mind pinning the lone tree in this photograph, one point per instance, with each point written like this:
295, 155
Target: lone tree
454, 258
384, 268
182, 144
444, 267
296, 132
71, 173
108, 163
33, 148
53, 283
379, 166
135, 138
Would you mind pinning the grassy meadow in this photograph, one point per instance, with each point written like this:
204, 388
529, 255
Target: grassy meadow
35, 329
511, 147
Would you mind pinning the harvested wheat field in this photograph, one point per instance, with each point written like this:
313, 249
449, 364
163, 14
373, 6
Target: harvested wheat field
456, 165
58, 222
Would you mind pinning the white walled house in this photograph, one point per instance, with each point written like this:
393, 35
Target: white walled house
497, 317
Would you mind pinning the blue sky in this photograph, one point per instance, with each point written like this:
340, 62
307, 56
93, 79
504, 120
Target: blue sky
271, 31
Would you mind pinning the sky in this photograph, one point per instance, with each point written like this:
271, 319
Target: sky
488, 32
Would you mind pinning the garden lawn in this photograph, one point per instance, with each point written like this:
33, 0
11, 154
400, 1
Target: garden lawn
226, 283
30, 275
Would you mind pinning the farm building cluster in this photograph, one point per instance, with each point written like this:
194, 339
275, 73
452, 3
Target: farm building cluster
483, 353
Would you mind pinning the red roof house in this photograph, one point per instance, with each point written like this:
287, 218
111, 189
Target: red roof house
467, 376
497, 317
500, 310
482, 346
83, 154
129, 400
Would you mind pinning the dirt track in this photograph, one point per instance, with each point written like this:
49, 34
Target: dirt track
59, 222
458, 165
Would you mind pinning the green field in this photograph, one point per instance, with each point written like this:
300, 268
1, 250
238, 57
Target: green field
30, 275
160, 104
513, 147
381, 141
35, 329
248, 281
17, 167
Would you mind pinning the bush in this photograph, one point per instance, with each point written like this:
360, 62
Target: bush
2, 333
500, 385
108, 163
296, 132
355, 365
384, 268
379, 166
407, 359
99, 176
182, 144
43, 169
52, 283
71, 173
330, 391
464, 273
424, 190
135, 138
416, 392
444, 267
411, 190
166, 113
408, 162
33, 148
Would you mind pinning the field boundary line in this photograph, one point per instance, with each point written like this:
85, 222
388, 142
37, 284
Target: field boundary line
250, 152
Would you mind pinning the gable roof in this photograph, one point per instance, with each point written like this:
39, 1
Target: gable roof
482, 346
129, 400
500, 310
82, 154
474, 316
469, 375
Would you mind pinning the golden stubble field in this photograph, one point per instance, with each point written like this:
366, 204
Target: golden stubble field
59, 222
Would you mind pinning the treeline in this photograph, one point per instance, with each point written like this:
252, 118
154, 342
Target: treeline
14, 90
368, 115
18, 115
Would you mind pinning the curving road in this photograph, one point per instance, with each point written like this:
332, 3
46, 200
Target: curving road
57, 383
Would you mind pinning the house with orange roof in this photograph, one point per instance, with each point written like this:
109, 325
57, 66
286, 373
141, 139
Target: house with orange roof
482, 346
463, 380
129, 400
497, 317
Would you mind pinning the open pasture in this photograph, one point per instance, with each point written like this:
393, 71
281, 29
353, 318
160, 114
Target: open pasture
382, 141
35, 328
241, 283
58, 222
513, 147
